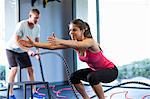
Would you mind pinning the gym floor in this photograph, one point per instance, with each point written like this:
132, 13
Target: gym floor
65, 92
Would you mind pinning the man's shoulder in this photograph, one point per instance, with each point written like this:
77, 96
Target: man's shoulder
23, 21
37, 26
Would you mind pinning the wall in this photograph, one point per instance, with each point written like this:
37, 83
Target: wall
54, 18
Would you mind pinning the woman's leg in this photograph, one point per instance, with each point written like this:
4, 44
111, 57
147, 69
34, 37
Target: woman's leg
99, 91
80, 88
105, 76
75, 79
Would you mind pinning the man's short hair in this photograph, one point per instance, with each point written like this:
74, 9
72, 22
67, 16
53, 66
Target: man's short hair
35, 11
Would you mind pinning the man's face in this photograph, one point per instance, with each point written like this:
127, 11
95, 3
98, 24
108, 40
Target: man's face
34, 18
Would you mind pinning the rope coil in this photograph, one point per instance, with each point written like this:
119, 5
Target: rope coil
66, 69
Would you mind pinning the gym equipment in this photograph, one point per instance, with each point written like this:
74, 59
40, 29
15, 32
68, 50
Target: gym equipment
66, 69
24, 84
45, 2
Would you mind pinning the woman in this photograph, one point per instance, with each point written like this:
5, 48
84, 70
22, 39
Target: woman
100, 68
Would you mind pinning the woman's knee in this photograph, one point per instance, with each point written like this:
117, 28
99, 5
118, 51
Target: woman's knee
92, 79
74, 78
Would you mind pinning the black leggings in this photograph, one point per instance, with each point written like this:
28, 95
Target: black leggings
94, 77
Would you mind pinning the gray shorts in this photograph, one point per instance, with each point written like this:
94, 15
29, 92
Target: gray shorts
18, 59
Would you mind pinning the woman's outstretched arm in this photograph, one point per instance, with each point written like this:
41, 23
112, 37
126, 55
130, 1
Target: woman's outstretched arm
71, 43
50, 46
45, 45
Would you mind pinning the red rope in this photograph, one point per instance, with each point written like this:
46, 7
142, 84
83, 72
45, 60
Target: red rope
57, 93
126, 92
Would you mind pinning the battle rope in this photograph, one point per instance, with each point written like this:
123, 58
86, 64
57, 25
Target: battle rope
126, 92
57, 92
132, 82
66, 69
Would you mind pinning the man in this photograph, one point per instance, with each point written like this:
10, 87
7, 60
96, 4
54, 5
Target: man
15, 53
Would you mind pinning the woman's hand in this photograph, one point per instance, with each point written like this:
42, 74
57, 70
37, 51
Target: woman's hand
26, 43
53, 40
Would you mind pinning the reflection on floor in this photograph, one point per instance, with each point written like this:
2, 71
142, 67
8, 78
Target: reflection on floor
65, 92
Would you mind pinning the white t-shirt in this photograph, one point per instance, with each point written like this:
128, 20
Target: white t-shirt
23, 30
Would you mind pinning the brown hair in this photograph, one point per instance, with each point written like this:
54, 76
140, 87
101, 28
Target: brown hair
35, 11
82, 25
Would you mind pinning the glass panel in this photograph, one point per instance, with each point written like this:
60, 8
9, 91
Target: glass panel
88, 14
8, 19
2, 43
125, 36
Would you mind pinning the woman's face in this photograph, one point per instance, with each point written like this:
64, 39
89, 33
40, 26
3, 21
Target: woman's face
75, 32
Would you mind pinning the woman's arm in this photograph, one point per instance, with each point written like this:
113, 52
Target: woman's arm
72, 43
55, 43
47, 45
29, 43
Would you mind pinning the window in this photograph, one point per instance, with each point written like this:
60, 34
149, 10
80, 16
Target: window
125, 36
8, 19
2, 43
87, 12
124, 33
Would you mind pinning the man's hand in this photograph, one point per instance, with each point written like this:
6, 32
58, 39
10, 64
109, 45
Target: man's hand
25, 43
31, 53
37, 56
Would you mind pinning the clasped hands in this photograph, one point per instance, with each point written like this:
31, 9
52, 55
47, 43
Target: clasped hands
30, 43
